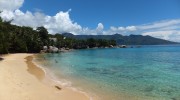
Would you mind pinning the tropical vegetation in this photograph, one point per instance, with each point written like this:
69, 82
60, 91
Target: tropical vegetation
23, 39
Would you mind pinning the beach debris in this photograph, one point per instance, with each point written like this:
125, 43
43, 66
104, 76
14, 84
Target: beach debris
1, 59
57, 87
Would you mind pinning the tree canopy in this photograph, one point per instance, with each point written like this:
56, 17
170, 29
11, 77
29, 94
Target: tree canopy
22, 39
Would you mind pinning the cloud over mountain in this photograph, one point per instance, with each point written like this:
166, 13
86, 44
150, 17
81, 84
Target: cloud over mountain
61, 22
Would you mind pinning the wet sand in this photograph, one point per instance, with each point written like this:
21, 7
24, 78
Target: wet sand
20, 79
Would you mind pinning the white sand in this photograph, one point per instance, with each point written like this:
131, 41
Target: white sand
18, 83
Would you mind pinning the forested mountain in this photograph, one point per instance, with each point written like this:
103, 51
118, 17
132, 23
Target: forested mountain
127, 40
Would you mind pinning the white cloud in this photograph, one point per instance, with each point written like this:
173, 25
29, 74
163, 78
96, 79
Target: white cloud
131, 28
172, 35
160, 24
128, 28
121, 30
26, 19
61, 22
166, 29
58, 23
112, 28
7, 15
100, 28
159, 34
10, 4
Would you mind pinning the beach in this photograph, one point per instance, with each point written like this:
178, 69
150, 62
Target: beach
20, 79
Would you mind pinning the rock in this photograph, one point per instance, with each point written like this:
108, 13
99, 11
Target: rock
1, 59
57, 87
53, 49
123, 46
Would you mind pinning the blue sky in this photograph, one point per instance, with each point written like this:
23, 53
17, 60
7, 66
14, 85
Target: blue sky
89, 13
157, 18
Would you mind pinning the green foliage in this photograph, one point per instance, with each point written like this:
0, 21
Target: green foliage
3, 47
43, 33
17, 39
80, 44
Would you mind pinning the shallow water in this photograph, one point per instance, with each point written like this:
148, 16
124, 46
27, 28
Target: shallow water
149, 72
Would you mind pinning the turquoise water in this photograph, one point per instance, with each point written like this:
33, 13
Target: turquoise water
149, 72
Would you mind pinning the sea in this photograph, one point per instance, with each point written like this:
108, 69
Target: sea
145, 73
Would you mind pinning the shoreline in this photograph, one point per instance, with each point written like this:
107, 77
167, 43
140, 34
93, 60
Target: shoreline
21, 79
33, 69
52, 80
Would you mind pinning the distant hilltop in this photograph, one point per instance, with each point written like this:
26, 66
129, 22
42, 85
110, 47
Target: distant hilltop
127, 40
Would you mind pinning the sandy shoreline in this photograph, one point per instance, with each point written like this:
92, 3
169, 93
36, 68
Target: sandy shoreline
20, 79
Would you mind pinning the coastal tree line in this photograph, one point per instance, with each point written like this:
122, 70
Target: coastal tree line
22, 39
